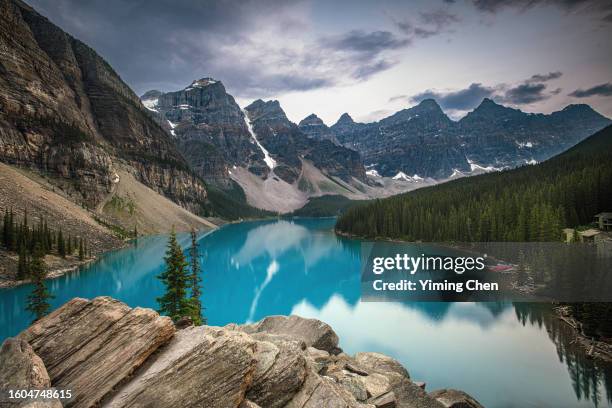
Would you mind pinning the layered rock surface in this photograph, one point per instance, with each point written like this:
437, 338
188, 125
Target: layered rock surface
110, 355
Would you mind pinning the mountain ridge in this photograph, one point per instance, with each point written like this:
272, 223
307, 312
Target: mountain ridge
68, 115
423, 140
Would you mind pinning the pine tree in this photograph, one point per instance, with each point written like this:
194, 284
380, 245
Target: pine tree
81, 250
5, 229
22, 263
174, 302
69, 248
196, 280
11, 234
38, 303
61, 245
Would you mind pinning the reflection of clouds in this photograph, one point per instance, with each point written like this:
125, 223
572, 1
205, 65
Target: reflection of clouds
277, 238
270, 272
438, 352
319, 247
271, 239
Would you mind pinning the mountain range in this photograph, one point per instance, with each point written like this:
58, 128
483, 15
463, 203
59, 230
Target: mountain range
422, 140
67, 116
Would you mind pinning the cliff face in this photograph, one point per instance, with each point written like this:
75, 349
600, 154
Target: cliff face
67, 114
286, 141
110, 355
209, 129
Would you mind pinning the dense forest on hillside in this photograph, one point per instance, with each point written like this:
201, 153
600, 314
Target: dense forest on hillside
531, 203
25, 240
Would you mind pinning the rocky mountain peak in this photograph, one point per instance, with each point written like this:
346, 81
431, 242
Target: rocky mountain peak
152, 94
429, 105
201, 83
268, 110
311, 120
345, 119
490, 110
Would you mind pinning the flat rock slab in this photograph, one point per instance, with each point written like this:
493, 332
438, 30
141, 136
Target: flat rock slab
200, 367
89, 347
314, 333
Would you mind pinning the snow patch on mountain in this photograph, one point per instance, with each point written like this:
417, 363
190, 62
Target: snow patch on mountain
200, 83
477, 167
150, 104
404, 177
522, 145
270, 162
372, 173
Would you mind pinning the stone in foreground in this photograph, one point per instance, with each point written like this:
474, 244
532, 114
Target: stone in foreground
113, 356
455, 399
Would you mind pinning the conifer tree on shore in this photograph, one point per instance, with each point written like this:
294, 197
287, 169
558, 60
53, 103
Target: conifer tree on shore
38, 303
196, 280
174, 303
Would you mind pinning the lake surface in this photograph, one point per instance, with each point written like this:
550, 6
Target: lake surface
505, 355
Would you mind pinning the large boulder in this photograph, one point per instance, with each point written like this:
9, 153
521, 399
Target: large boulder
22, 369
450, 398
91, 346
314, 333
380, 362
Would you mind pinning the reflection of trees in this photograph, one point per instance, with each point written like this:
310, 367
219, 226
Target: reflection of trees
588, 375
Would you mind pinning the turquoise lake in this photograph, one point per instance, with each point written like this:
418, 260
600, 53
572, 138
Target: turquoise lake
505, 355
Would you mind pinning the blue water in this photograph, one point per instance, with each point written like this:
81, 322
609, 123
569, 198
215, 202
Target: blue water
505, 355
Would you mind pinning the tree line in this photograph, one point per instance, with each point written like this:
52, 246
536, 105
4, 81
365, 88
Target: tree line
25, 239
531, 203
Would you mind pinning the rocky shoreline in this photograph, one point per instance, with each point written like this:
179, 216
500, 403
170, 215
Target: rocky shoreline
599, 350
110, 355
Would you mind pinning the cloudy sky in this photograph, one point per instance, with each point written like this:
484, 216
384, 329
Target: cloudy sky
367, 58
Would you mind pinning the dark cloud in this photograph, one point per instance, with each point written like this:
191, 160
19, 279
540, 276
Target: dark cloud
366, 42
531, 90
525, 94
362, 53
597, 90
165, 44
463, 99
545, 77
430, 23
590, 6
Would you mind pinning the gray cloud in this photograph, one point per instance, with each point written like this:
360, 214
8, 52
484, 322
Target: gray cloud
366, 42
430, 23
589, 6
545, 77
463, 99
258, 48
597, 90
526, 93
531, 90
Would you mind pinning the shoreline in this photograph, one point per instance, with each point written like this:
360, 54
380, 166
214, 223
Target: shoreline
54, 273
593, 349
